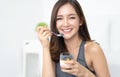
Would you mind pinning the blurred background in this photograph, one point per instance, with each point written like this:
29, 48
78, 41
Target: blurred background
18, 19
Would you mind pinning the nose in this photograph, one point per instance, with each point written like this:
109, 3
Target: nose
65, 22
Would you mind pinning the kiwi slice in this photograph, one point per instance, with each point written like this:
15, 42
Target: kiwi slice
42, 24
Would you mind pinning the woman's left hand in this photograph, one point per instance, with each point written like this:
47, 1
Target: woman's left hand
74, 68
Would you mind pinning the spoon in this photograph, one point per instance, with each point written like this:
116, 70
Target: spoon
58, 35
43, 24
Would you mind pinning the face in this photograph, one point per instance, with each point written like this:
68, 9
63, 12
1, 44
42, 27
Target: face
68, 21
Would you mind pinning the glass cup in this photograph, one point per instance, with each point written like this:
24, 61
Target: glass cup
65, 56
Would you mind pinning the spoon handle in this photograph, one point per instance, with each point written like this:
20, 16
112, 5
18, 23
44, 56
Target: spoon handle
58, 35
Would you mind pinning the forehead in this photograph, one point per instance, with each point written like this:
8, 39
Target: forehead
66, 9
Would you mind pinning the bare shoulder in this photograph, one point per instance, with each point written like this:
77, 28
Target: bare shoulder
93, 48
97, 59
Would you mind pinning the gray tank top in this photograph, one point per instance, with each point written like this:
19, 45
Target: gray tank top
80, 59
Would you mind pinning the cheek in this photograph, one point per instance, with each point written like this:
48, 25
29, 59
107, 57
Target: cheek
58, 24
76, 26
74, 22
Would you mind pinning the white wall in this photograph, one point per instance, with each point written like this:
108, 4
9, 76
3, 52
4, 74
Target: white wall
103, 21
18, 19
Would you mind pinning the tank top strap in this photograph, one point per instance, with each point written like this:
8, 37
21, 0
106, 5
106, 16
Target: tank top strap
81, 57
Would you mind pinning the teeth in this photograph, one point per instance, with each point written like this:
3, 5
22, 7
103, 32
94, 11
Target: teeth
67, 30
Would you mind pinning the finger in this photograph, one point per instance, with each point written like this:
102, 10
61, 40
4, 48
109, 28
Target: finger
67, 66
78, 70
38, 28
45, 33
47, 36
41, 30
70, 70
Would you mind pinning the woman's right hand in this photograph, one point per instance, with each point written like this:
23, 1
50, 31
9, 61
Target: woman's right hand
43, 34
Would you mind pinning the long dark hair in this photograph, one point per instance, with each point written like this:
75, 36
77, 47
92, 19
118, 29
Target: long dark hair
57, 45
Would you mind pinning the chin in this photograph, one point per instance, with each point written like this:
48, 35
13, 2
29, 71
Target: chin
67, 38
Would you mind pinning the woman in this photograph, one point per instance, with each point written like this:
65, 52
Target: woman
88, 58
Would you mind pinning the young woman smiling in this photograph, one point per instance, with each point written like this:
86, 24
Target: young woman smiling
88, 58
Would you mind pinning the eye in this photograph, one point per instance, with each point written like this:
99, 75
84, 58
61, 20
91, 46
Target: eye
59, 19
72, 17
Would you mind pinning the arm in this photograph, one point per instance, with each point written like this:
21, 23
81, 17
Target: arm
48, 65
75, 68
99, 62
48, 69
95, 58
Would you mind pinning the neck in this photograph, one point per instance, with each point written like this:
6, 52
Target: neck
73, 44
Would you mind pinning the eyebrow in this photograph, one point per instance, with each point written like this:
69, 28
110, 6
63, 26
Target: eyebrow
68, 15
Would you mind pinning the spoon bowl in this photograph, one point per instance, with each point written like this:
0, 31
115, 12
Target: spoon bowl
58, 35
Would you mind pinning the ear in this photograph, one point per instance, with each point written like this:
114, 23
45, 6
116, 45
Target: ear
80, 24
81, 21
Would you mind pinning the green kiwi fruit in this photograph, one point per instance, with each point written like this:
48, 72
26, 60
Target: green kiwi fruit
42, 24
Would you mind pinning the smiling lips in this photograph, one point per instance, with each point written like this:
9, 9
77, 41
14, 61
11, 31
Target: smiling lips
67, 30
